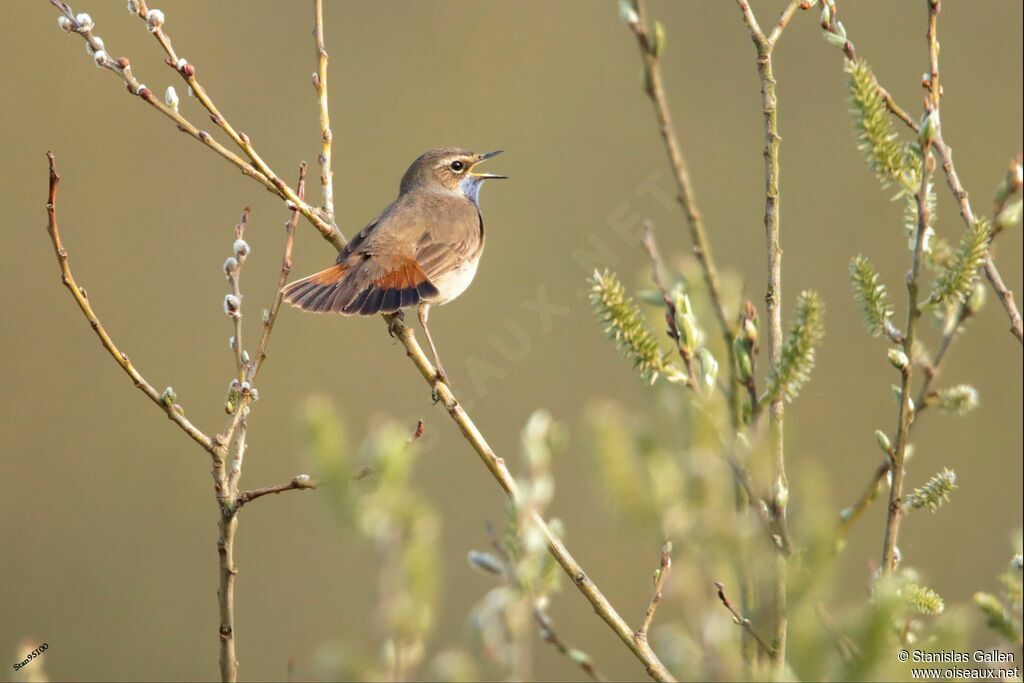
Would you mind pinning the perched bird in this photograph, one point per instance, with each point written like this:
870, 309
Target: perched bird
422, 250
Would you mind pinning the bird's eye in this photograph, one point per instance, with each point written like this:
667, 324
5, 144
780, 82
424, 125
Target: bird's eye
457, 166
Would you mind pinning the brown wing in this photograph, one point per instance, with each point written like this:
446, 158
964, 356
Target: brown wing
374, 285
442, 249
391, 263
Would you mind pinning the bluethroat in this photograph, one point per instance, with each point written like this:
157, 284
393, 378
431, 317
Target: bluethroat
422, 250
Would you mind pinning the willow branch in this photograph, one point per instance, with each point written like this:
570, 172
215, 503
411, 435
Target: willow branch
931, 370
299, 483
187, 71
282, 280
549, 636
256, 169
234, 276
670, 307
773, 300
660, 577
240, 409
496, 466
655, 88
742, 621
889, 553
165, 401
945, 156
992, 273
326, 136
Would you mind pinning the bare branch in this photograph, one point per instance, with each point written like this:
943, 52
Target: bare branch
496, 466
660, 577
299, 483
164, 401
741, 620
326, 136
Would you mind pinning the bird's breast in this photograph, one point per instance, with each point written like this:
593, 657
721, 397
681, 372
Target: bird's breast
455, 281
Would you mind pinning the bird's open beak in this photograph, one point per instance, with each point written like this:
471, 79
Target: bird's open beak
485, 157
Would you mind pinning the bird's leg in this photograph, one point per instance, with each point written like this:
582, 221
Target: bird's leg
424, 312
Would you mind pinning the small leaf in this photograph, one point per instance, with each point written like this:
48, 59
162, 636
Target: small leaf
871, 296
956, 282
958, 400
805, 334
933, 494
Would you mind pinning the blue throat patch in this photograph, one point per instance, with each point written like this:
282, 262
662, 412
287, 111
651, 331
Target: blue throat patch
470, 187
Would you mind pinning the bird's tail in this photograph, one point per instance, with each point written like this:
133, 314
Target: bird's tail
318, 292
365, 289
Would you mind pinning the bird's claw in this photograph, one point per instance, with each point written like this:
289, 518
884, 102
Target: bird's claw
440, 376
393, 318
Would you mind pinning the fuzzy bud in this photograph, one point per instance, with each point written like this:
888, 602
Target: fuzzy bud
241, 248
91, 46
708, 370
744, 361
85, 22
485, 562
883, 441
230, 265
302, 481
100, 57
627, 13
64, 23
1010, 215
154, 19
232, 304
133, 6
928, 128
898, 359
171, 98
168, 397
835, 40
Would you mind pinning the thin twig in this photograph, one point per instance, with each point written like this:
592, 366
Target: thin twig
496, 466
851, 514
286, 269
549, 636
895, 513
326, 136
187, 71
945, 155
660, 577
686, 193
773, 299
165, 402
741, 620
670, 307
258, 172
299, 483
779, 537
234, 276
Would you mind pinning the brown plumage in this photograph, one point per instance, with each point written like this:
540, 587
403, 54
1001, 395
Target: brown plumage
422, 249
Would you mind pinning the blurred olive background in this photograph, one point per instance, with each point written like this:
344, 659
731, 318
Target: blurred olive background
107, 515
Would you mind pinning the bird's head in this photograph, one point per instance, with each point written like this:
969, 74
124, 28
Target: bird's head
449, 169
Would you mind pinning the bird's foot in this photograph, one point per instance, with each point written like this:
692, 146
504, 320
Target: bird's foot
393, 320
439, 376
